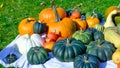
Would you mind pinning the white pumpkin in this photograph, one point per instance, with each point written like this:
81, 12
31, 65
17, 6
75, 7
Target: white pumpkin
25, 42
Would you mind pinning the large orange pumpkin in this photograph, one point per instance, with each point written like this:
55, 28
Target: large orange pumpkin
65, 28
48, 14
26, 26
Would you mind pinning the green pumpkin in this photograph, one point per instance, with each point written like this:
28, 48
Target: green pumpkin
66, 50
102, 49
86, 61
37, 55
85, 37
98, 35
39, 27
10, 58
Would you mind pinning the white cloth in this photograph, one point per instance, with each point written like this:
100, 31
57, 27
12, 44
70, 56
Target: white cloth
51, 63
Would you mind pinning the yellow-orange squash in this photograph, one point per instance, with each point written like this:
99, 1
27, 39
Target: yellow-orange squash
26, 26
92, 21
116, 56
80, 24
48, 14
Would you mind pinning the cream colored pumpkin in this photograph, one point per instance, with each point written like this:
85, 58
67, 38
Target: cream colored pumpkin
25, 42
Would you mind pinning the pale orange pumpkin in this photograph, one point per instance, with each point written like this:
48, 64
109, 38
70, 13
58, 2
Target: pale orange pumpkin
92, 21
26, 26
48, 14
80, 23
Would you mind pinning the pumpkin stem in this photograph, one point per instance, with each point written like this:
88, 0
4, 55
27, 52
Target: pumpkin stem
94, 14
56, 13
81, 30
68, 42
98, 42
35, 49
85, 59
29, 20
10, 55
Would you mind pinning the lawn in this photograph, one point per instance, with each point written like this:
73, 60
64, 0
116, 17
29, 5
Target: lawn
13, 11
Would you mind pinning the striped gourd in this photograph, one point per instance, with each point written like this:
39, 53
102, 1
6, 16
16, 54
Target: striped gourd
111, 34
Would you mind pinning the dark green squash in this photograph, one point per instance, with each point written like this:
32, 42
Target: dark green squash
85, 37
37, 55
97, 14
86, 61
10, 58
39, 27
66, 50
98, 35
102, 49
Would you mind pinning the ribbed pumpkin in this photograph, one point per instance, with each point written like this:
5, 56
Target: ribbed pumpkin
37, 55
85, 37
80, 23
25, 42
39, 27
66, 50
86, 61
98, 35
102, 49
65, 27
26, 26
48, 14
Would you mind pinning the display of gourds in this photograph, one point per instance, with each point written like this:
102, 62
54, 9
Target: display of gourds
70, 37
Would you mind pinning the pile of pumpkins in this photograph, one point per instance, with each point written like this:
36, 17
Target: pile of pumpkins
71, 37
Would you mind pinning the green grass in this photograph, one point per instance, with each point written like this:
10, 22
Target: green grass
13, 11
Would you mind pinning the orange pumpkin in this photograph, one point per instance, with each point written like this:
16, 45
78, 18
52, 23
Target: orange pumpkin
92, 21
80, 23
118, 65
48, 14
26, 26
75, 15
48, 45
65, 28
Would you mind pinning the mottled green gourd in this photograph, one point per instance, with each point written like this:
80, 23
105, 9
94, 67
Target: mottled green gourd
85, 37
66, 50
